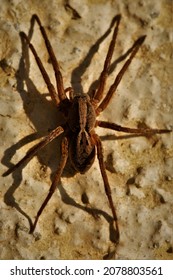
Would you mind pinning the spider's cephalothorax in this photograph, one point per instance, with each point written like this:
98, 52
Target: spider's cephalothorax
80, 142
81, 122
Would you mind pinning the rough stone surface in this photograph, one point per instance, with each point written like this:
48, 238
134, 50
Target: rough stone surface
139, 169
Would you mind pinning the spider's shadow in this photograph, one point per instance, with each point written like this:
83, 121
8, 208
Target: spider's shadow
41, 113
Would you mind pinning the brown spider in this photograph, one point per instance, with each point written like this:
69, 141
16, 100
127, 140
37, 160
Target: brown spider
80, 141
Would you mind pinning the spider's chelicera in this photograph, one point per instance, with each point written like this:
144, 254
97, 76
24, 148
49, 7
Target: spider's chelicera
80, 142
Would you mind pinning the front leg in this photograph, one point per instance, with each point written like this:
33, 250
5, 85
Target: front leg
55, 64
119, 76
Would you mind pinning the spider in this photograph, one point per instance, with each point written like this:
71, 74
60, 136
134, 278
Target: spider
80, 142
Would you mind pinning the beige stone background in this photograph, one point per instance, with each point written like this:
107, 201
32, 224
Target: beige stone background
140, 170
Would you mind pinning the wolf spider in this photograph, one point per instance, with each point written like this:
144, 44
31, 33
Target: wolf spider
80, 141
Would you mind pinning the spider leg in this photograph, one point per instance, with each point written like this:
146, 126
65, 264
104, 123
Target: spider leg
64, 151
106, 182
117, 127
58, 76
104, 74
118, 78
46, 78
55, 133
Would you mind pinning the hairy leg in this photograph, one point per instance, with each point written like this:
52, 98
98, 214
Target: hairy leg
104, 74
32, 152
118, 78
58, 76
117, 127
46, 78
106, 182
64, 156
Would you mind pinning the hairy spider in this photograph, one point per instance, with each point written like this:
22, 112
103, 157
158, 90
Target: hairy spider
80, 142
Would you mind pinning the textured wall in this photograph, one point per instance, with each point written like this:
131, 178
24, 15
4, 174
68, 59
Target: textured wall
139, 169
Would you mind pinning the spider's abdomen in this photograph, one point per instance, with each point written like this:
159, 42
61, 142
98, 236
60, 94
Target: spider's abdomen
82, 152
